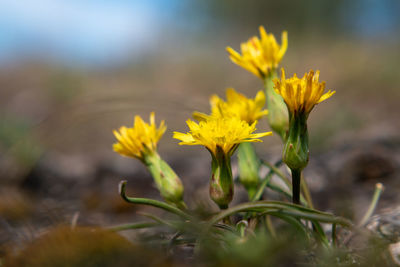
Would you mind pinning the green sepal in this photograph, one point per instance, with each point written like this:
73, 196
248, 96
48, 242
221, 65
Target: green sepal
221, 181
167, 181
296, 152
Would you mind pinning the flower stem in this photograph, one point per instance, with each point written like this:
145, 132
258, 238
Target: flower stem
278, 172
134, 226
270, 226
334, 238
150, 202
306, 193
275, 208
296, 178
372, 206
264, 183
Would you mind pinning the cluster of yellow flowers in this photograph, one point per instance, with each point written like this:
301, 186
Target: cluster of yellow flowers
234, 121
230, 123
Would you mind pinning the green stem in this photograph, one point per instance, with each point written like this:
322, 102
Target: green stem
378, 190
291, 220
296, 178
283, 208
150, 202
306, 193
334, 239
226, 227
280, 190
265, 181
279, 173
288, 195
277, 188
241, 227
270, 226
156, 219
319, 232
133, 226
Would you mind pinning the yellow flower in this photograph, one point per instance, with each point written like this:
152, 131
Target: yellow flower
301, 95
260, 56
139, 140
236, 105
218, 134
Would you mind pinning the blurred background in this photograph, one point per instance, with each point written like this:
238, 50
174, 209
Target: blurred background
71, 71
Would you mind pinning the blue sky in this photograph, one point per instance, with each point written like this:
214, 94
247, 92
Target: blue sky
83, 30
108, 31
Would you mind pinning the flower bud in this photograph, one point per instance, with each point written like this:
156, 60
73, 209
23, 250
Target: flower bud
167, 182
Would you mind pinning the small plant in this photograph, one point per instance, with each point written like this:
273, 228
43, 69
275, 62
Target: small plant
231, 127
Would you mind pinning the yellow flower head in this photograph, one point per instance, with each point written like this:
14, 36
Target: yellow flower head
139, 140
236, 105
221, 133
301, 95
260, 56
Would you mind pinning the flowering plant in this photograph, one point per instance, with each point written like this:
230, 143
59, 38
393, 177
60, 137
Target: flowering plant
230, 127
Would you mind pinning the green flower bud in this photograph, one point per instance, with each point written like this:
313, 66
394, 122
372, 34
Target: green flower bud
167, 182
221, 182
295, 152
277, 110
249, 166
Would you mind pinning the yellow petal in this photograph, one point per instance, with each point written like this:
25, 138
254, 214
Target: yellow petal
140, 139
301, 94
